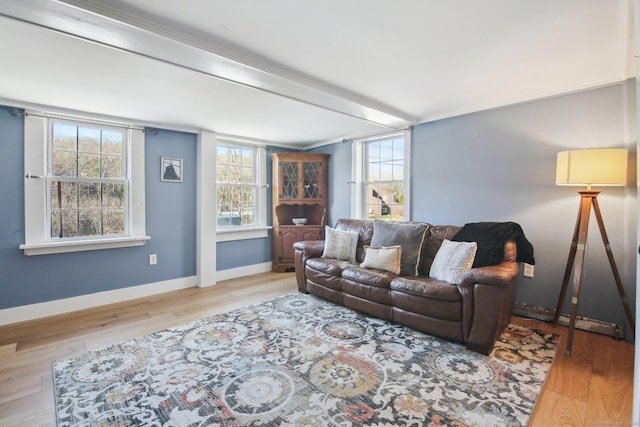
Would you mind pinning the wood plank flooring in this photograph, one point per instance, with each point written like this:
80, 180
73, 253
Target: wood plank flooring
592, 387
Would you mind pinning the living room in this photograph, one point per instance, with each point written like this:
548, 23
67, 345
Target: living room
485, 161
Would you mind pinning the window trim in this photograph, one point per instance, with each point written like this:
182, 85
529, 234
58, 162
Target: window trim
259, 230
248, 232
36, 155
82, 245
358, 169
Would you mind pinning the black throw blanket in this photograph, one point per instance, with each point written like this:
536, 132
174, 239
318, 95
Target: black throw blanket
491, 237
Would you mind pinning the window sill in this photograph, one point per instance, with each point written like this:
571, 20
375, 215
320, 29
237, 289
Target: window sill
229, 234
82, 245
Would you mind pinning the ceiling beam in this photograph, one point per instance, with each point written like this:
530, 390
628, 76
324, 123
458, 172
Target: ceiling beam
97, 23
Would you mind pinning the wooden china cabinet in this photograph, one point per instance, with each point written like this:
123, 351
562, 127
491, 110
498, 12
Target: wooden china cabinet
299, 184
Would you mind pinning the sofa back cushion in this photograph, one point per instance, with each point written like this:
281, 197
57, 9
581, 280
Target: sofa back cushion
409, 235
431, 243
363, 227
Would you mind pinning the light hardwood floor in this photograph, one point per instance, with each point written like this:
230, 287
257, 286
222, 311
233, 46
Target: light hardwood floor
593, 387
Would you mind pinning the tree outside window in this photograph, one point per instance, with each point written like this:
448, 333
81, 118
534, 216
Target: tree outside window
87, 181
237, 186
384, 177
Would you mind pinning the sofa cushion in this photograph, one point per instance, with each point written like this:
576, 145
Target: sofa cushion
325, 272
330, 266
409, 235
368, 276
426, 288
383, 258
453, 259
340, 244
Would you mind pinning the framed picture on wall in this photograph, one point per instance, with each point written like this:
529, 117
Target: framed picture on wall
171, 169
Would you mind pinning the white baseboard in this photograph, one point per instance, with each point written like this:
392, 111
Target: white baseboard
52, 308
248, 270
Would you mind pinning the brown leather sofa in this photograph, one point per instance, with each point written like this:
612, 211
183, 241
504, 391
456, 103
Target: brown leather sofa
474, 311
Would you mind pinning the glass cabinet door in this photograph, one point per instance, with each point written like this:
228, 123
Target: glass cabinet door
289, 171
311, 180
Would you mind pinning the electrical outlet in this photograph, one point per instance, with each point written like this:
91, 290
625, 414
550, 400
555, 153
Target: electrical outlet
528, 270
153, 259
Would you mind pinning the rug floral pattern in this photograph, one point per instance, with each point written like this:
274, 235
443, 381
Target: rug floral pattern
300, 361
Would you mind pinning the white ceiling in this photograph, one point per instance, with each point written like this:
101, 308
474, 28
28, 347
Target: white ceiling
300, 73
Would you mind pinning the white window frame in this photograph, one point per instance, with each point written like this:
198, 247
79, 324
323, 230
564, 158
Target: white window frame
36, 160
260, 228
359, 168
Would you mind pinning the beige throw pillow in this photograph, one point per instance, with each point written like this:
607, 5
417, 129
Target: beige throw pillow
453, 259
383, 258
340, 244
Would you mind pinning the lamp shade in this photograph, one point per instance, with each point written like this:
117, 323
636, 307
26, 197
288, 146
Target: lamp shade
602, 166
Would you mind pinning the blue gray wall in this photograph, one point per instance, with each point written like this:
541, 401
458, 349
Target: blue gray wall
171, 206
242, 253
339, 177
170, 221
499, 165
507, 173
496, 165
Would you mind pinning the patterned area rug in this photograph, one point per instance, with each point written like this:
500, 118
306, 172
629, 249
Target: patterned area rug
299, 360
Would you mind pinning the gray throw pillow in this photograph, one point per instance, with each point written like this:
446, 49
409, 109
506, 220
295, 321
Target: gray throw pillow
409, 235
340, 244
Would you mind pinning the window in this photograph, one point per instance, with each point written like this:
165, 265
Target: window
240, 181
87, 181
81, 178
381, 176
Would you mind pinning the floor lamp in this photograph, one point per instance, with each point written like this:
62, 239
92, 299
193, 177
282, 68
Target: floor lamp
601, 167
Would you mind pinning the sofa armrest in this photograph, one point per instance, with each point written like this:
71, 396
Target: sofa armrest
313, 248
498, 275
488, 296
304, 250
